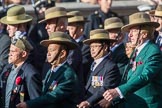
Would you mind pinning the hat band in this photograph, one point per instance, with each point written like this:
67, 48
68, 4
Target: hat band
15, 18
114, 25
76, 18
99, 35
55, 14
139, 20
158, 13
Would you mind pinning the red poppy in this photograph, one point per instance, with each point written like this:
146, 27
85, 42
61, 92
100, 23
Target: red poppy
140, 62
18, 80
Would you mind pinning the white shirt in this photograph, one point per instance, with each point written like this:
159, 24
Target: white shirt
98, 61
78, 39
114, 47
139, 49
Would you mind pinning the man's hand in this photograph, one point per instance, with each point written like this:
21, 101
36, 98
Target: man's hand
110, 94
84, 104
22, 105
104, 103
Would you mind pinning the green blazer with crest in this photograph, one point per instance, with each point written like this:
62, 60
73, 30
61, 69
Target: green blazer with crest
143, 88
60, 91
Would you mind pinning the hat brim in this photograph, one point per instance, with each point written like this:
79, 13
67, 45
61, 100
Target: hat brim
127, 27
85, 21
70, 45
89, 41
52, 17
28, 18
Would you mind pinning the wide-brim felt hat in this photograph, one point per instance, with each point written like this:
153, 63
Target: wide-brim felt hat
59, 38
158, 11
138, 19
55, 12
16, 15
98, 35
77, 17
113, 23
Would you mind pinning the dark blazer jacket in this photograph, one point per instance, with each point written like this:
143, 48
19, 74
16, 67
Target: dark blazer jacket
4, 49
31, 84
97, 19
86, 58
120, 58
111, 79
143, 88
60, 91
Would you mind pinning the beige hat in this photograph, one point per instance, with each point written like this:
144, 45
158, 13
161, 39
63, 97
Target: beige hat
158, 11
77, 17
59, 38
16, 15
23, 44
98, 35
55, 12
113, 23
140, 18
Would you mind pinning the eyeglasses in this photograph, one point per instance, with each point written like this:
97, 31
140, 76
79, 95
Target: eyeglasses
95, 46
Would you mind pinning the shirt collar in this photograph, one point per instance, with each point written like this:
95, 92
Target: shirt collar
114, 47
58, 67
78, 39
141, 47
98, 61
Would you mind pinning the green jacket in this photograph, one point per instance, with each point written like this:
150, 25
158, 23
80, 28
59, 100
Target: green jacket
143, 88
62, 90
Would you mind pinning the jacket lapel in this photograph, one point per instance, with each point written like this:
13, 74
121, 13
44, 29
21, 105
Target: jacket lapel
140, 56
54, 77
96, 71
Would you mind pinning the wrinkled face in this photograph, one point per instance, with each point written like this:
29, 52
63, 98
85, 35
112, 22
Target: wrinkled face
159, 20
113, 34
12, 29
15, 55
95, 49
105, 5
133, 35
71, 29
53, 50
54, 25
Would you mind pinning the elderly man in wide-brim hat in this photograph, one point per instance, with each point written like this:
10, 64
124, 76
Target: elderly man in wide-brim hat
158, 18
143, 80
61, 82
75, 28
113, 26
104, 72
16, 20
56, 19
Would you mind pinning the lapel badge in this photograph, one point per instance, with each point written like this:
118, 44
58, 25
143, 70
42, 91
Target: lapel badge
53, 85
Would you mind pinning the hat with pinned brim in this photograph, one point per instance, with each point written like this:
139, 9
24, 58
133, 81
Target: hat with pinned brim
59, 38
55, 12
16, 15
98, 35
22, 43
113, 23
77, 17
138, 19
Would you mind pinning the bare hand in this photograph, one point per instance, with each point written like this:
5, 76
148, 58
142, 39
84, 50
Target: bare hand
84, 104
110, 94
22, 105
104, 103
